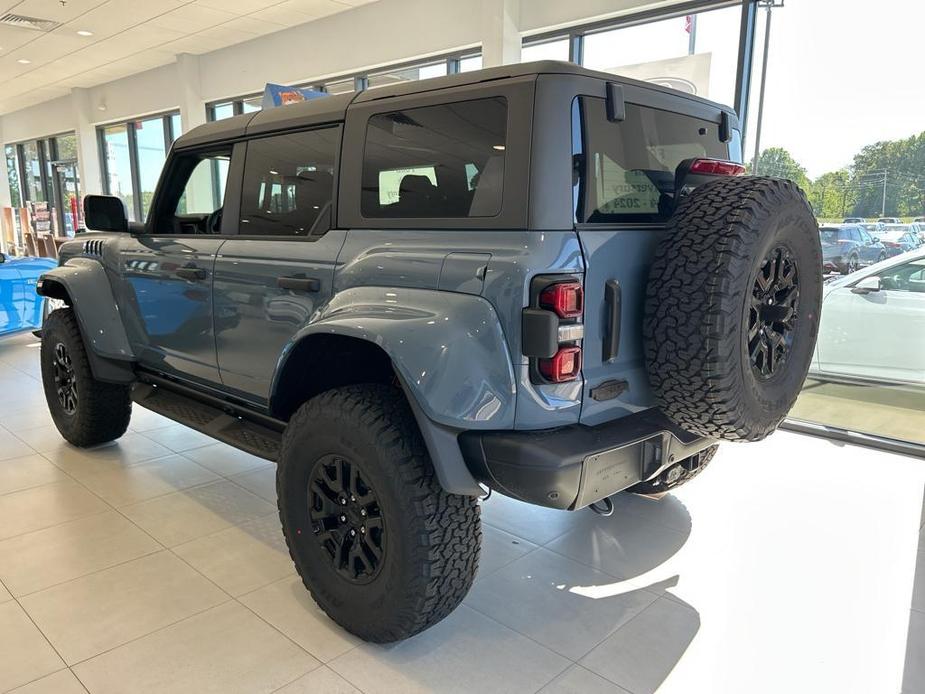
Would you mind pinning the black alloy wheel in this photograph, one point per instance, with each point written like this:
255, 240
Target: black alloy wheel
772, 312
346, 519
65, 379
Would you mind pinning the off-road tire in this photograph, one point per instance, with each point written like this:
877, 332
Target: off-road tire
661, 483
698, 306
431, 538
103, 410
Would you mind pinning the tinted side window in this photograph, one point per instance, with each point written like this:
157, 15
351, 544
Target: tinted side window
289, 183
436, 161
624, 172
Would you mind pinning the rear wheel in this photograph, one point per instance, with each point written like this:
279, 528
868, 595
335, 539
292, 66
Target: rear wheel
852, 264
85, 411
383, 549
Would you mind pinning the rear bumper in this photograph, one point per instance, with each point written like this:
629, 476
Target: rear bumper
574, 466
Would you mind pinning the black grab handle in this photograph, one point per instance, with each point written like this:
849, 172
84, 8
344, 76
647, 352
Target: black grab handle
613, 302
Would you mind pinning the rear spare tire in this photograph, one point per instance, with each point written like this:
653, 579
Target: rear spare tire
732, 307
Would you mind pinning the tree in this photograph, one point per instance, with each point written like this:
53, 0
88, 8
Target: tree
778, 162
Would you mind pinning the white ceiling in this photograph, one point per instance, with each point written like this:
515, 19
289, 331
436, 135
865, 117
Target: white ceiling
129, 36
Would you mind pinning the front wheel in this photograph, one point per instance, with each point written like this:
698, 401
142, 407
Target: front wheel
85, 411
383, 549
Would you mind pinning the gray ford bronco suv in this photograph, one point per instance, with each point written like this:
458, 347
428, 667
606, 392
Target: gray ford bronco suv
540, 280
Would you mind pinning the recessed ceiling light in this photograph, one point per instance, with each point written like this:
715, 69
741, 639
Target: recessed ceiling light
23, 61
84, 32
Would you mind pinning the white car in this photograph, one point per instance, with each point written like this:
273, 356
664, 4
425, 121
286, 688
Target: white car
873, 324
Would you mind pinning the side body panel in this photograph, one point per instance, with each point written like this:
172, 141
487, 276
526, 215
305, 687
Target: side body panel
254, 318
878, 336
11, 298
171, 324
98, 312
447, 348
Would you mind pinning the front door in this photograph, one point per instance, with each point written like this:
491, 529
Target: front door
878, 335
168, 271
272, 278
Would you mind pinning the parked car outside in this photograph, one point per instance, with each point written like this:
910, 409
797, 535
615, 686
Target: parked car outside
873, 324
918, 228
898, 239
874, 227
853, 220
848, 247
919, 220
890, 220
20, 306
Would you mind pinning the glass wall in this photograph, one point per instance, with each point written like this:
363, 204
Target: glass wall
347, 84
557, 49
118, 167
133, 155
44, 191
863, 172
696, 53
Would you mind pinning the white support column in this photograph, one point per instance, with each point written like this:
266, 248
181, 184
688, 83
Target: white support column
88, 151
501, 39
6, 199
192, 106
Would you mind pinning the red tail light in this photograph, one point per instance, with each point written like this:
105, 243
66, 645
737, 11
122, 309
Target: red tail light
564, 366
892, 244
717, 167
565, 298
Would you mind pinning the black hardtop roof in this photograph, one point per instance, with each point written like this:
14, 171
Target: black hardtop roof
333, 108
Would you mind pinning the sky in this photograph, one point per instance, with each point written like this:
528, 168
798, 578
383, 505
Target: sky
841, 73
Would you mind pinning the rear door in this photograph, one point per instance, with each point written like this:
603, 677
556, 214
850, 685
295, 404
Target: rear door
278, 271
623, 194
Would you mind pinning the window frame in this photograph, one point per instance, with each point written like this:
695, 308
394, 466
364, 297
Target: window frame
234, 187
518, 92
339, 126
166, 187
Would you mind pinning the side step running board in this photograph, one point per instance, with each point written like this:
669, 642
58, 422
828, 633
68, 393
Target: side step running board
249, 436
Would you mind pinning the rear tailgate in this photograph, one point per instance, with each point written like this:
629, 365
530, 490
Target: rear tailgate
623, 194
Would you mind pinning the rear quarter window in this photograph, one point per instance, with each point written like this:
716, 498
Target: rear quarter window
624, 171
444, 161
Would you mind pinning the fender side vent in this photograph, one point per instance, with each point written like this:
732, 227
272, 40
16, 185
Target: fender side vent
93, 247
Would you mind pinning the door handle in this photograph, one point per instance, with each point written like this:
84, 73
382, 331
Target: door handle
299, 284
192, 274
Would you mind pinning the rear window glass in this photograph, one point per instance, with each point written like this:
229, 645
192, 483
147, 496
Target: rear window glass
828, 235
624, 172
436, 161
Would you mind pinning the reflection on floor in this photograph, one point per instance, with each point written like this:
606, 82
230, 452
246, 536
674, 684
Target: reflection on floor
155, 564
889, 411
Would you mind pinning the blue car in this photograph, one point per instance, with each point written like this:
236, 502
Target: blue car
20, 306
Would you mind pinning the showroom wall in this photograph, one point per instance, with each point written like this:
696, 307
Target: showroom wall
299, 54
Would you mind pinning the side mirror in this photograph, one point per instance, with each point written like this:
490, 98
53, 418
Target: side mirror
867, 285
876, 239
105, 213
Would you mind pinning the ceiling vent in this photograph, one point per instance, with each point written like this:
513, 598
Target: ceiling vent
34, 23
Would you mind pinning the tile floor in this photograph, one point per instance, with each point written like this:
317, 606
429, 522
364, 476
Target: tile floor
156, 565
